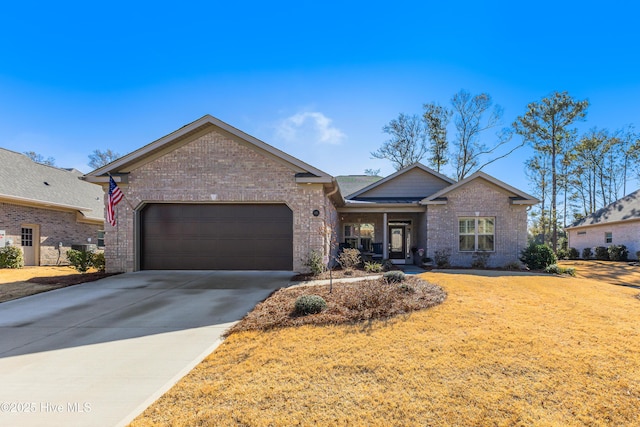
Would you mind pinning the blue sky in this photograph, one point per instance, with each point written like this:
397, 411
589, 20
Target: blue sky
318, 80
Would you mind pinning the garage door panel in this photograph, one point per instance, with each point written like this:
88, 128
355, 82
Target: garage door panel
216, 237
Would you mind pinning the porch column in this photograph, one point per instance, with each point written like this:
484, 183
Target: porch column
385, 236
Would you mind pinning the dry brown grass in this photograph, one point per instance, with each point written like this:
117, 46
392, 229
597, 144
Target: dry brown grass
21, 282
617, 273
503, 351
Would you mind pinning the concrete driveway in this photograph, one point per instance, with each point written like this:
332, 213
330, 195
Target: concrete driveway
98, 354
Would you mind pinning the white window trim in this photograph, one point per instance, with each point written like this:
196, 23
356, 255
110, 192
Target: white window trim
476, 233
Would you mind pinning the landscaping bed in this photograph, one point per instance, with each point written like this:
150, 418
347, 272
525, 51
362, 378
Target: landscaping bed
346, 303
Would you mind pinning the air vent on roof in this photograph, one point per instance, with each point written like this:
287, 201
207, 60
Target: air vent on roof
46, 183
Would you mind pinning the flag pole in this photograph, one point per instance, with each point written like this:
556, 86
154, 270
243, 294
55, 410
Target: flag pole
124, 196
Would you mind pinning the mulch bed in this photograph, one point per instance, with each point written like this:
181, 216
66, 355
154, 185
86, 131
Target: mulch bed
347, 303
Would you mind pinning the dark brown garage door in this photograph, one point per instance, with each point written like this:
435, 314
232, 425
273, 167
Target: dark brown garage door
216, 237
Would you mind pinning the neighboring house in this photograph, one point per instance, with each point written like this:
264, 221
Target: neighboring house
616, 224
45, 210
209, 196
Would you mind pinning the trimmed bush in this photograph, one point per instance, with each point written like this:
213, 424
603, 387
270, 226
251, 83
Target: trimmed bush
11, 257
314, 262
480, 259
441, 258
562, 254
349, 258
373, 267
387, 265
573, 253
394, 276
587, 253
309, 304
80, 260
99, 262
602, 253
618, 253
538, 257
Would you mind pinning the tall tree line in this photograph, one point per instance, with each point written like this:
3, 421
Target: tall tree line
573, 175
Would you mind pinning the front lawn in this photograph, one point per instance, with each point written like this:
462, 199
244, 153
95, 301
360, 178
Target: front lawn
505, 350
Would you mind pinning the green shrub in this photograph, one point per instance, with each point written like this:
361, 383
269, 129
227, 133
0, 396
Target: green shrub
349, 258
309, 304
99, 262
618, 253
373, 267
556, 269
394, 276
441, 258
480, 259
602, 253
11, 257
562, 253
573, 253
538, 257
80, 260
314, 262
587, 253
387, 264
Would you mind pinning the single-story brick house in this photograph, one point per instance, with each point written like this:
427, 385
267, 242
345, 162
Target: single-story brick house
615, 224
45, 210
209, 196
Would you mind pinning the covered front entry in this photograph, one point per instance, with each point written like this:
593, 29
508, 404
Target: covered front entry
397, 243
184, 236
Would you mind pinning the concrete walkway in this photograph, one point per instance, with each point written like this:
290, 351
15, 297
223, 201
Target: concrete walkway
98, 354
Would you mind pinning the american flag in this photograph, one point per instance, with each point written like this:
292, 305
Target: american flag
114, 197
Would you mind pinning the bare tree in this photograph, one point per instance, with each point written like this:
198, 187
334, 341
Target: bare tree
408, 143
100, 158
473, 115
39, 158
372, 172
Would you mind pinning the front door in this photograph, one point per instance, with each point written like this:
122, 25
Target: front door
29, 241
397, 241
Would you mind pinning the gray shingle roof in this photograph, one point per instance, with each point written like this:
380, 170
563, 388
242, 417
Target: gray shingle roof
625, 209
349, 184
22, 178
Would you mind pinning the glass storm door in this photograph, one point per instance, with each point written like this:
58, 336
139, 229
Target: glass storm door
396, 241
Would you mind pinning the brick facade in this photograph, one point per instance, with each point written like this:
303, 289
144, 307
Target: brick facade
55, 226
478, 198
623, 233
218, 168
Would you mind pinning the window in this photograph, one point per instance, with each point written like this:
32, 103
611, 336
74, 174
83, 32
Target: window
608, 237
359, 236
101, 238
27, 237
476, 234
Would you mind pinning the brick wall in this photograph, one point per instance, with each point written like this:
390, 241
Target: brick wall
55, 226
487, 200
623, 233
217, 168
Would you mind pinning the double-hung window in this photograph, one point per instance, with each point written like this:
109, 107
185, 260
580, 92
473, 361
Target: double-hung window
359, 236
476, 234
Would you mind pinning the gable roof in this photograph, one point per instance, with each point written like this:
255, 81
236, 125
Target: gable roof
399, 173
519, 197
305, 173
351, 183
624, 209
24, 181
